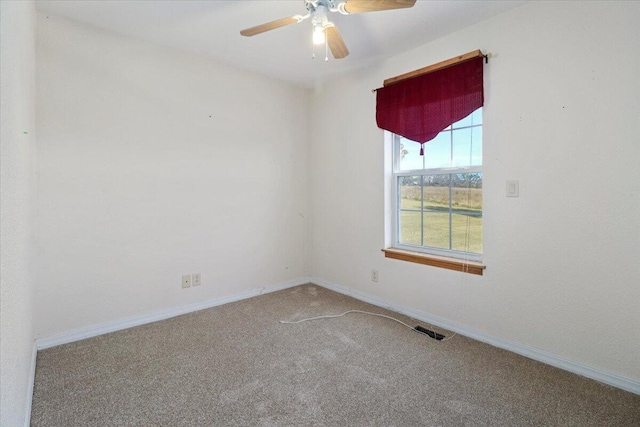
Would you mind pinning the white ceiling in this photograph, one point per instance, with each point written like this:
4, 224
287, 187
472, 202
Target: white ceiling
213, 28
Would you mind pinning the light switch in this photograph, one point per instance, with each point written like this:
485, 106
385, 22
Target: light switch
513, 189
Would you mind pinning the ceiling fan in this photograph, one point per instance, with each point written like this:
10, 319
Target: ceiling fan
325, 31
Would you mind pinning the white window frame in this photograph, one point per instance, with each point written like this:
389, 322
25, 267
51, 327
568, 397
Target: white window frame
395, 201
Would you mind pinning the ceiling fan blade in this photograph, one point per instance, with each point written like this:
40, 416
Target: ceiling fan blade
361, 6
269, 26
336, 44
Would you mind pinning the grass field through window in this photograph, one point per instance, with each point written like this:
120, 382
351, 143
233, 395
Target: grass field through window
466, 217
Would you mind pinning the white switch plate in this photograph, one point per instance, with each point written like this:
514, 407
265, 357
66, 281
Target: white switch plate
186, 280
196, 279
513, 189
374, 275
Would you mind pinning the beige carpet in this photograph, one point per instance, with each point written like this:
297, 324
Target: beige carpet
235, 365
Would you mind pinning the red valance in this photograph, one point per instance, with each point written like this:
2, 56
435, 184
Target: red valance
420, 107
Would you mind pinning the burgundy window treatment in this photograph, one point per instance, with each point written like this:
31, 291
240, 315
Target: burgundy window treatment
420, 107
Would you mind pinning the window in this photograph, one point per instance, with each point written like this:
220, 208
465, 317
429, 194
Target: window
438, 196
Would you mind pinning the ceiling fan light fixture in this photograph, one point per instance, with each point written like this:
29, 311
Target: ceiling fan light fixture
318, 35
319, 22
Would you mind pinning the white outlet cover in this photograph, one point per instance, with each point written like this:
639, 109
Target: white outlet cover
186, 280
196, 279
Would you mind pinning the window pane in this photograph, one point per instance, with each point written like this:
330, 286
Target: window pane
409, 228
409, 155
466, 218
462, 147
437, 152
436, 211
436, 191
466, 190
472, 119
436, 229
467, 232
410, 192
476, 146
476, 117
467, 121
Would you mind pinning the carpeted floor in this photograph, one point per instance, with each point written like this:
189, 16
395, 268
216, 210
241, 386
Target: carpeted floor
236, 365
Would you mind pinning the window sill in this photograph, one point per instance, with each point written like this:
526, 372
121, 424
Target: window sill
435, 261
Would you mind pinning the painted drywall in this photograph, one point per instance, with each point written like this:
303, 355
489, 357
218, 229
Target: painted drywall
153, 163
17, 178
561, 114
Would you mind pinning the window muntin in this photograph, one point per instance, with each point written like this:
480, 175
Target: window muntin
438, 196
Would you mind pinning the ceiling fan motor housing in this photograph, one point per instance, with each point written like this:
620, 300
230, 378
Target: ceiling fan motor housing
319, 16
329, 5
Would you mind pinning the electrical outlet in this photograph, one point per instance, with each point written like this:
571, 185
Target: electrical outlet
196, 279
374, 275
186, 280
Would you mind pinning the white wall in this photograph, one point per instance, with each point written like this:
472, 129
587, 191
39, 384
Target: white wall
154, 163
561, 116
17, 157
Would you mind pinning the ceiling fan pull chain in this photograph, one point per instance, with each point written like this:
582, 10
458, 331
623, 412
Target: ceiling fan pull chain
313, 45
326, 49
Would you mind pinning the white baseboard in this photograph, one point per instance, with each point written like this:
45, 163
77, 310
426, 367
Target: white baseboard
117, 325
32, 380
524, 350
